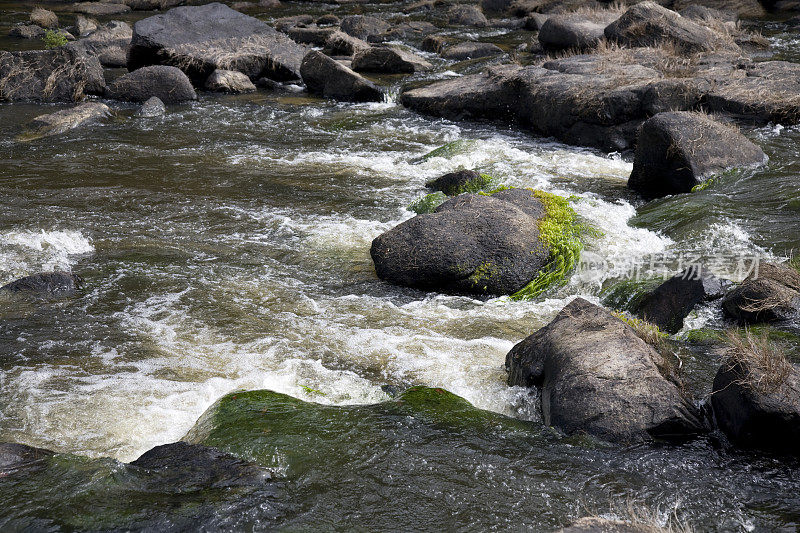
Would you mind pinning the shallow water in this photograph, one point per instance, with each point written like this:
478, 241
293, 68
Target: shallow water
226, 246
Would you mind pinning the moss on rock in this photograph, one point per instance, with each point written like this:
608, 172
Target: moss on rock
427, 203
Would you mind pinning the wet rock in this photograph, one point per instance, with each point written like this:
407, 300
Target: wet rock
284, 24
109, 43
466, 15
471, 50
57, 75
329, 78
771, 293
414, 29
329, 19
703, 14
455, 183
170, 84
310, 34
100, 9
201, 39
433, 43
84, 26
388, 59
676, 150
598, 377
649, 24
59, 283
27, 31
229, 81
152, 108
150, 5
673, 300
364, 27
192, 466
570, 32
756, 403
44, 18
471, 243
270, 4
68, 119
15, 456
736, 8
342, 44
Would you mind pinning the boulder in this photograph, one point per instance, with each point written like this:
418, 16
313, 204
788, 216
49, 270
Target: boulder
194, 466
433, 43
466, 15
771, 293
109, 43
535, 21
15, 456
471, 50
329, 78
59, 283
68, 119
673, 300
676, 150
328, 19
100, 9
229, 81
44, 18
364, 27
284, 24
455, 183
310, 34
562, 32
84, 26
342, 44
756, 402
152, 108
413, 29
470, 244
598, 377
388, 59
703, 14
170, 84
57, 75
201, 39
27, 31
649, 24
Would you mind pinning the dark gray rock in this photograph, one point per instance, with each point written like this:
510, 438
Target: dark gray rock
388, 59
310, 34
68, 119
284, 24
562, 32
109, 43
57, 75
454, 183
771, 293
728, 9
100, 9
673, 300
757, 406
342, 44
84, 26
676, 150
27, 31
201, 39
433, 43
59, 283
649, 24
471, 243
703, 14
229, 81
326, 77
466, 15
364, 27
152, 108
413, 29
15, 456
471, 50
169, 84
598, 377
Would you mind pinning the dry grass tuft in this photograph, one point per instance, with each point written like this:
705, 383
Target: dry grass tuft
763, 362
644, 518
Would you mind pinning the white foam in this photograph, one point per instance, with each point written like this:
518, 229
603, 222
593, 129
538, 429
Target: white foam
26, 252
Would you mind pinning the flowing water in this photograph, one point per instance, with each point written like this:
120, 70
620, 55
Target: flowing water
226, 247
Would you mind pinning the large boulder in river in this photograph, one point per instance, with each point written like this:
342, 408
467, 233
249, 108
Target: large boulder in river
562, 32
68, 119
676, 150
673, 300
771, 293
61, 283
471, 243
466, 15
460, 181
364, 27
170, 84
109, 43
756, 398
57, 75
598, 377
649, 24
343, 44
152, 108
329, 78
201, 39
388, 59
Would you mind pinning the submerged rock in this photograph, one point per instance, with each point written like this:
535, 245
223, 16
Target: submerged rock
472, 243
153, 107
388, 59
771, 293
59, 283
57, 75
68, 119
201, 39
229, 81
329, 78
169, 84
676, 150
471, 50
597, 376
15, 456
673, 300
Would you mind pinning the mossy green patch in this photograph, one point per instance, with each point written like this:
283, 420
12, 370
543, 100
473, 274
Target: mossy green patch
627, 295
703, 186
481, 183
703, 336
54, 39
447, 150
485, 271
427, 203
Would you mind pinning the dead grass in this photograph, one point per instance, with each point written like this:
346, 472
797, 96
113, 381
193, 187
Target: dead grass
764, 363
645, 518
